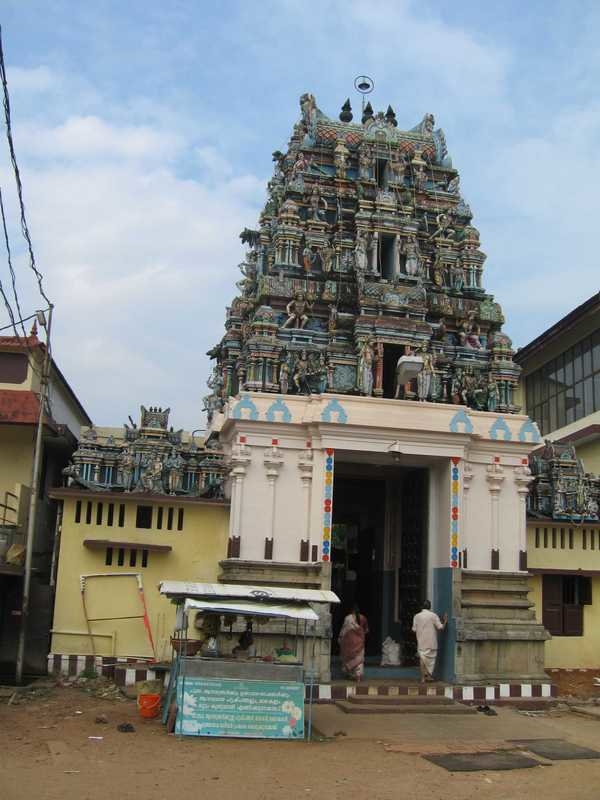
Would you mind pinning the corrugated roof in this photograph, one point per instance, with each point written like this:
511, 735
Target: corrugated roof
260, 593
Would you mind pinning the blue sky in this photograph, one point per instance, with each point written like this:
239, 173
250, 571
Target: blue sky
145, 133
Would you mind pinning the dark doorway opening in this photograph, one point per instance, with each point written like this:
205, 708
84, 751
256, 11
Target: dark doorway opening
379, 551
391, 354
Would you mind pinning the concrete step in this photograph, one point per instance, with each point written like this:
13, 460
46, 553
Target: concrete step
399, 700
433, 707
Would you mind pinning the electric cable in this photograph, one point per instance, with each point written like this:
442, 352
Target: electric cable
13, 158
10, 266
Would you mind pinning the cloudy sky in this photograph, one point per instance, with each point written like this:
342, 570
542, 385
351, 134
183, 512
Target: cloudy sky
144, 132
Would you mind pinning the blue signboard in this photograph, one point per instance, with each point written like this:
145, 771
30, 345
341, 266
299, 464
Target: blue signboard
249, 709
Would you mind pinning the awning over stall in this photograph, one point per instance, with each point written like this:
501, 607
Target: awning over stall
183, 589
301, 611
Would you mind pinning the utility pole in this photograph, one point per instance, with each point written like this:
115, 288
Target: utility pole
35, 481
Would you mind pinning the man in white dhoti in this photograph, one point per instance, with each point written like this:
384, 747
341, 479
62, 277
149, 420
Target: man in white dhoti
426, 625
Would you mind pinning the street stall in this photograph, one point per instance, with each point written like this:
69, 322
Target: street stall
243, 660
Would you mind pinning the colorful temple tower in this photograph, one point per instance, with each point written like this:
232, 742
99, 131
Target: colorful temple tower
365, 253
362, 396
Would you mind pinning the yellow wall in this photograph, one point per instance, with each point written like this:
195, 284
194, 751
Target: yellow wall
196, 553
541, 554
572, 652
16, 453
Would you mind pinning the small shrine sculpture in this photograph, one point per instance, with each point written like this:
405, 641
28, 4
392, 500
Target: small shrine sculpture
151, 458
364, 251
561, 488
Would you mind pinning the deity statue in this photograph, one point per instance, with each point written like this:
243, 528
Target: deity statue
340, 158
469, 333
315, 202
493, 394
458, 275
127, 466
333, 315
420, 178
425, 377
374, 253
453, 185
437, 271
151, 478
301, 164
308, 107
327, 253
174, 465
411, 250
297, 311
365, 368
425, 127
360, 252
284, 377
308, 258
365, 162
323, 372
301, 373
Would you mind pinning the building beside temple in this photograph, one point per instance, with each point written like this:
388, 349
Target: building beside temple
21, 360
143, 504
363, 395
560, 388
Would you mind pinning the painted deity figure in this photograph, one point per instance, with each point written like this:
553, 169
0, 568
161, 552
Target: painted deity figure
365, 368
458, 275
315, 203
340, 158
301, 164
420, 179
151, 479
413, 256
453, 185
308, 259
493, 395
360, 252
308, 107
301, 373
297, 310
365, 162
374, 253
127, 466
174, 472
323, 372
425, 377
326, 254
284, 377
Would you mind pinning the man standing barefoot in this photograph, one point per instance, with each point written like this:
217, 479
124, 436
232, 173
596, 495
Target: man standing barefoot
426, 625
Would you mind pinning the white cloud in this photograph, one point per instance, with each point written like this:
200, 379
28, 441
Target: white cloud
91, 137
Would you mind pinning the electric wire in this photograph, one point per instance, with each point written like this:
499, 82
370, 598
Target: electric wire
13, 158
10, 266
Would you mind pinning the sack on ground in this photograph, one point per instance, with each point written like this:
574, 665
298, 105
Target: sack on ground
390, 653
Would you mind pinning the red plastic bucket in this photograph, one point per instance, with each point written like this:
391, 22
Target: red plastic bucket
149, 705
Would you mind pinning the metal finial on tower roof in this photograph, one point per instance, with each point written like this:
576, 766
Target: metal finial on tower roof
367, 113
391, 116
346, 112
364, 85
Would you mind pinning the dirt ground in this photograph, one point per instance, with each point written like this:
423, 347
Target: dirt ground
46, 752
575, 683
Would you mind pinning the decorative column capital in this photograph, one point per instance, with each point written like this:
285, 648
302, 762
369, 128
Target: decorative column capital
273, 461
495, 477
305, 465
467, 476
523, 478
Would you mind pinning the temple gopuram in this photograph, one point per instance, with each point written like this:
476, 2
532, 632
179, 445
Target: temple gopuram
362, 398
365, 254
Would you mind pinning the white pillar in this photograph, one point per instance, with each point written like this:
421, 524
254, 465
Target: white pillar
495, 478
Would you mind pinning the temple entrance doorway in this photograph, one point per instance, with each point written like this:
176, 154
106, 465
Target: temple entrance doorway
379, 552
